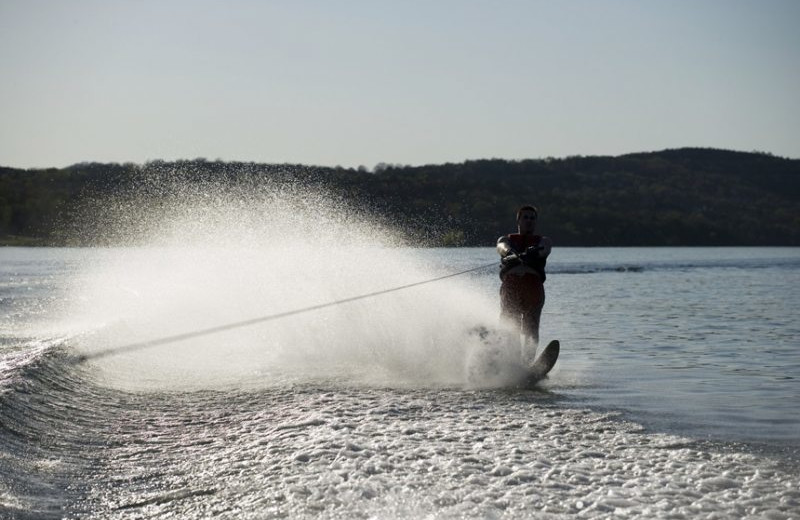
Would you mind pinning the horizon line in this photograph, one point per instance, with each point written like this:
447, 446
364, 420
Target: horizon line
386, 165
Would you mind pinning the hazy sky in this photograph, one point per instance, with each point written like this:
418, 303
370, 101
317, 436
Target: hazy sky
355, 82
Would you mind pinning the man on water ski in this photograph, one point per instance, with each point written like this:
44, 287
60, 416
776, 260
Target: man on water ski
523, 256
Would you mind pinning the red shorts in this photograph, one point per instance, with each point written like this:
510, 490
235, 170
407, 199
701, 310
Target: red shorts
522, 294
521, 302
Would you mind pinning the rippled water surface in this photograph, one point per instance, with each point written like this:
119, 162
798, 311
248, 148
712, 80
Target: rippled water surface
676, 394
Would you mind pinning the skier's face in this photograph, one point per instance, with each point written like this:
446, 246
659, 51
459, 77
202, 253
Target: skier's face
527, 222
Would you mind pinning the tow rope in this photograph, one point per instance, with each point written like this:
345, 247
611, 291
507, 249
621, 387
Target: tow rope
221, 328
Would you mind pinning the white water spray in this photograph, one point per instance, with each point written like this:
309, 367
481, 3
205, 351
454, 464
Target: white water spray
214, 258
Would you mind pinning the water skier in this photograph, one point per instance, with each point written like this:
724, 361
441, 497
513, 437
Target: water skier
523, 256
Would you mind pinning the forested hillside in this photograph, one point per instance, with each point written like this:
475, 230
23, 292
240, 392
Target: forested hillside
676, 197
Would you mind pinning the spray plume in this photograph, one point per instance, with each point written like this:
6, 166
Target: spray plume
193, 254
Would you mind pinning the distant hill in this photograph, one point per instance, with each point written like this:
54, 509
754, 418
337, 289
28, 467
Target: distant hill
681, 197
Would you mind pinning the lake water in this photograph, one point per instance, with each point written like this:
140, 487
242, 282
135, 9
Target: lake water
677, 393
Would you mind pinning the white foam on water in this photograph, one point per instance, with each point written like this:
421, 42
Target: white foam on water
413, 454
210, 258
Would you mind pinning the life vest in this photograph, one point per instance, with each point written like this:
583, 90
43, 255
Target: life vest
520, 243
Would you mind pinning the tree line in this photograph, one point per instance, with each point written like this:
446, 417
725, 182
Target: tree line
680, 197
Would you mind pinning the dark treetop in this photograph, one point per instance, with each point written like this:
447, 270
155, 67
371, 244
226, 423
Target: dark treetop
682, 197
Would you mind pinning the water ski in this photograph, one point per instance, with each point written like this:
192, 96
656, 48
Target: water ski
543, 364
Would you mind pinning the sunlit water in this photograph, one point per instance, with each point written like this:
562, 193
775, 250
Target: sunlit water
677, 393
